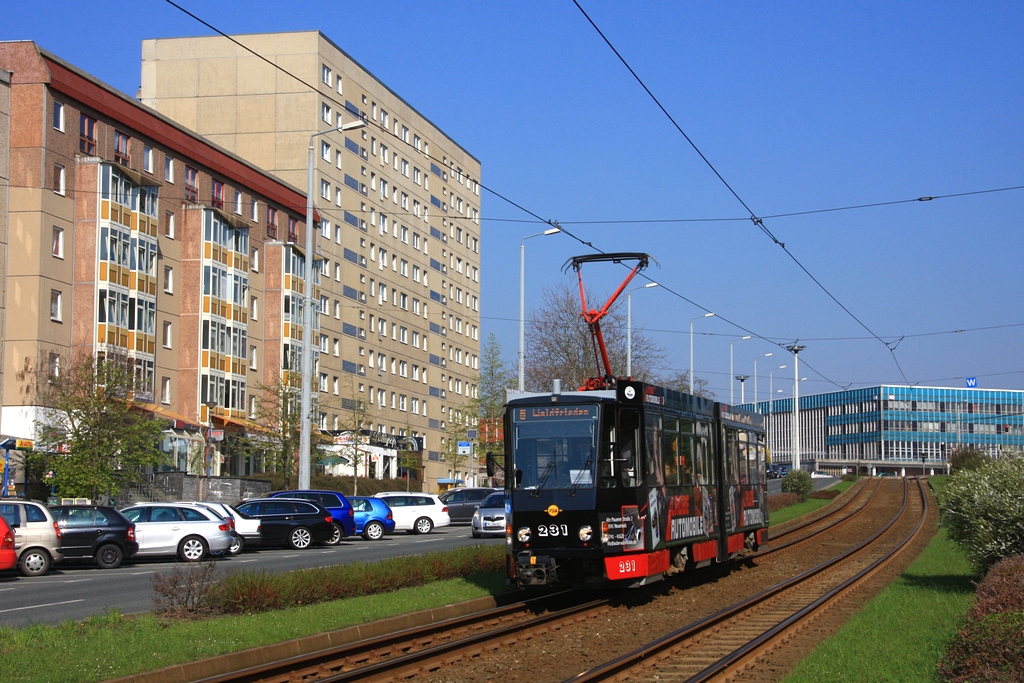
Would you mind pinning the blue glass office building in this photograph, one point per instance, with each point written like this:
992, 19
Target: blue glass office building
897, 429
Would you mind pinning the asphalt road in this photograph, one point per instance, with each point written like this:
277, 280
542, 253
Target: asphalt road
77, 591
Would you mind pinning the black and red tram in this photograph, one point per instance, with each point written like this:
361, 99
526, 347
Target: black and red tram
629, 484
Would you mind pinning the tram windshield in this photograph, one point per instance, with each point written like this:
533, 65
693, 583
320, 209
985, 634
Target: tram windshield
555, 446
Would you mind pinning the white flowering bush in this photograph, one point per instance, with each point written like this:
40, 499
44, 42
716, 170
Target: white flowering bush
983, 509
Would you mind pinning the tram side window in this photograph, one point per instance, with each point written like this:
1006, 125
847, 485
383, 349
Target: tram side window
652, 469
742, 462
686, 460
629, 447
758, 455
731, 473
670, 451
704, 459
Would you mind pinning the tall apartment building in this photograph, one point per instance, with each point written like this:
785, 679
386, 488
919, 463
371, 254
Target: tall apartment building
399, 234
5, 177
133, 236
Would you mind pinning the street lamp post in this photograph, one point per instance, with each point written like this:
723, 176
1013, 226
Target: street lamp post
629, 327
742, 380
796, 349
522, 303
693, 380
207, 456
307, 313
767, 355
731, 386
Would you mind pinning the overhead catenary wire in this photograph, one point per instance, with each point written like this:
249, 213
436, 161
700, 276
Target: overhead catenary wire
757, 221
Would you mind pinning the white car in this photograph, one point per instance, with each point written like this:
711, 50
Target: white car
416, 513
190, 532
245, 529
818, 474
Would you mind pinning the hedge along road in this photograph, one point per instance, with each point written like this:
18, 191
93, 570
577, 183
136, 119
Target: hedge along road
77, 591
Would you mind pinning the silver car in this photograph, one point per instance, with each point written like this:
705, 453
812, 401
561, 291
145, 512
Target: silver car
190, 532
37, 538
489, 518
244, 529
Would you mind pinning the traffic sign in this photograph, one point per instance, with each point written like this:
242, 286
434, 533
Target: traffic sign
972, 382
465, 448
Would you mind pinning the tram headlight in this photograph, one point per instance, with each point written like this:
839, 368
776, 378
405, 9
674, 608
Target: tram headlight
523, 535
586, 533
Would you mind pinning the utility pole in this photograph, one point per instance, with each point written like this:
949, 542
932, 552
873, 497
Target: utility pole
796, 349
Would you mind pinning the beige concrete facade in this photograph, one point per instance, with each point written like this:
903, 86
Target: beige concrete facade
5, 181
400, 231
119, 219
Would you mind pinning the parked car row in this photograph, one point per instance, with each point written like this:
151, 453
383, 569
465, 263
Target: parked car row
34, 537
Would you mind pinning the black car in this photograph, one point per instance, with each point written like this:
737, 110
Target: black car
290, 522
95, 533
463, 502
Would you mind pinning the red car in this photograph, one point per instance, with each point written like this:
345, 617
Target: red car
8, 558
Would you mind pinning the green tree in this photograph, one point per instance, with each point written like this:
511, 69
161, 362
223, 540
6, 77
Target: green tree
983, 509
456, 430
966, 458
279, 415
99, 441
798, 482
495, 377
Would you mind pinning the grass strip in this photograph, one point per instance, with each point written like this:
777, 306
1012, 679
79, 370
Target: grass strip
113, 645
901, 633
809, 505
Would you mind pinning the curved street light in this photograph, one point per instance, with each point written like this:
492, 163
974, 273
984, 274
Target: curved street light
522, 303
629, 327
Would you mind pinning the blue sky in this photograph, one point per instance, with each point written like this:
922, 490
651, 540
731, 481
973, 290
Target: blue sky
799, 106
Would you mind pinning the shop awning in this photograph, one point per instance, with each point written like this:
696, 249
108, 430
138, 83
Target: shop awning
246, 425
163, 412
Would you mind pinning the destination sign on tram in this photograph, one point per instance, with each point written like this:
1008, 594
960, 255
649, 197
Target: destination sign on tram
556, 412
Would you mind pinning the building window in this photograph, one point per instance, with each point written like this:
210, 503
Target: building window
238, 202
122, 148
58, 179
216, 194
255, 260
87, 135
169, 279
252, 357
58, 116
167, 334
254, 308
56, 305
323, 381
147, 158
191, 184
169, 224
325, 112
271, 222
293, 230
254, 210
325, 190
57, 249
325, 74
169, 169
165, 390
325, 151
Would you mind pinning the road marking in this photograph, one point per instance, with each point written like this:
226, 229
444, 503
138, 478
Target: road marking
296, 555
49, 604
77, 580
243, 561
6, 589
140, 573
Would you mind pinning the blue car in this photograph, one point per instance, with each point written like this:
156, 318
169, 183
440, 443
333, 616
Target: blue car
373, 517
336, 503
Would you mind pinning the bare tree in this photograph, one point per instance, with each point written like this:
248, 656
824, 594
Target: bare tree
680, 381
559, 344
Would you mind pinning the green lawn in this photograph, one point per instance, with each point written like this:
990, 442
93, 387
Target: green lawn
113, 645
901, 633
809, 505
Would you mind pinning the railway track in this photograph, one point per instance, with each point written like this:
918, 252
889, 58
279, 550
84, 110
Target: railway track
720, 646
429, 650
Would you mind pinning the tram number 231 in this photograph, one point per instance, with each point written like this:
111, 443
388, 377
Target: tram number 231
627, 566
552, 530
